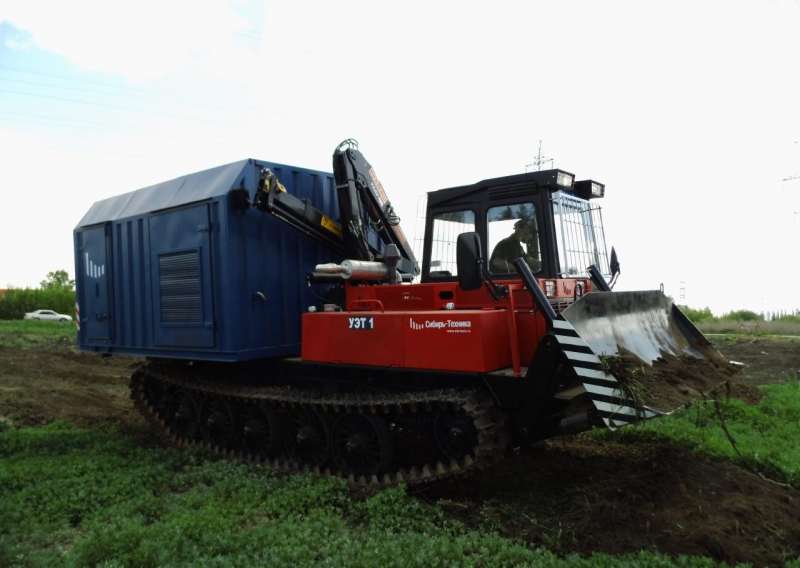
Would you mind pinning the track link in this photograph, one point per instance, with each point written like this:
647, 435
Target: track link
474, 409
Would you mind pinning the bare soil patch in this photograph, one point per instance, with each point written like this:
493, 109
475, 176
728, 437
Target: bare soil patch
583, 495
671, 382
38, 386
767, 360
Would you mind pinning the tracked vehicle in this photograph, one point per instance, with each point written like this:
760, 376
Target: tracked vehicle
275, 310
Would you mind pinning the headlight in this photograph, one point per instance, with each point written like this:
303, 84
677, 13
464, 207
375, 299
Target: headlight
550, 288
589, 189
564, 179
598, 189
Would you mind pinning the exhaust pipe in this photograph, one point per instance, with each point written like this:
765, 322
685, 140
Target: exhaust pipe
353, 270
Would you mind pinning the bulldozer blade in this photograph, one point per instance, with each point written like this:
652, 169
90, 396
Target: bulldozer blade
612, 403
644, 323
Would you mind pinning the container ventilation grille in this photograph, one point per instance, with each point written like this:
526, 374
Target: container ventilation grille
180, 287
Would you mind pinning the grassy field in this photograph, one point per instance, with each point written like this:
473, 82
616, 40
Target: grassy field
26, 333
113, 496
85, 498
750, 327
765, 436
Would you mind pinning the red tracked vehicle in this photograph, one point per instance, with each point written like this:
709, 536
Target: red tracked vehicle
498, 346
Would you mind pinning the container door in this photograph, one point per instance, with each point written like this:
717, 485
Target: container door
95, 305
182, 288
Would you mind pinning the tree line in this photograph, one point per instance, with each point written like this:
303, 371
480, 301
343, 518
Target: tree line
706, 315
56, 292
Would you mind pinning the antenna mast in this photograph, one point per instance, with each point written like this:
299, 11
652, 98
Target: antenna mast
539, 160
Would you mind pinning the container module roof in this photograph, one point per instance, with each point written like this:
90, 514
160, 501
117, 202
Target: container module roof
190, 188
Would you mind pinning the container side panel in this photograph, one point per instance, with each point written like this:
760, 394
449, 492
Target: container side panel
275, 260
127, 318
120, 312
219, 285
96, 278
148, 325
131, 322
135, 293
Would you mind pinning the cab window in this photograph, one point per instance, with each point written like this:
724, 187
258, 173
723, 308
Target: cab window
512, 233
446, 228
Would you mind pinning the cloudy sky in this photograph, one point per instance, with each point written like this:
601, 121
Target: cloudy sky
688, 111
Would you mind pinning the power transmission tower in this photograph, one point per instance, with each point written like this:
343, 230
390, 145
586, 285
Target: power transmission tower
539, 160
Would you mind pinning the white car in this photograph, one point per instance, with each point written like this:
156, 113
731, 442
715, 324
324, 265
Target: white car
48, 315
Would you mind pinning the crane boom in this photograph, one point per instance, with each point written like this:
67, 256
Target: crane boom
368, 223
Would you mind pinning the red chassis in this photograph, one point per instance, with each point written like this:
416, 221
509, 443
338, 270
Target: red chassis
434, 326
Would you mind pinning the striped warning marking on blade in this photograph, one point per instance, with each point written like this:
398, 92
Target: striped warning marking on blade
582, 357
612, 403
573, 340
577, 356
603, 390
587, 373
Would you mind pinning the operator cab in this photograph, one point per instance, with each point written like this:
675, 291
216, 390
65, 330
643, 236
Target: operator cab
545, 217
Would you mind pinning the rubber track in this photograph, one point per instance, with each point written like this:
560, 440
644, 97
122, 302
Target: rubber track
489, 422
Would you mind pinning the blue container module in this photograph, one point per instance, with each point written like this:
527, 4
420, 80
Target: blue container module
177, 270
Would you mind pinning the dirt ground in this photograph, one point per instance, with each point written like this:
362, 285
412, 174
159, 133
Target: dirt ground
41, 385
578, 495
766, 359
671, 382
571, 494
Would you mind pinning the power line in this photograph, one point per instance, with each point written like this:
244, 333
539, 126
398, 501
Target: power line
103, 105
81, 84
57, 76
66, 87
83, 123
140, 94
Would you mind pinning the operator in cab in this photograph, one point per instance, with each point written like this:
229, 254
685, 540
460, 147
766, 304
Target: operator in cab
511, 248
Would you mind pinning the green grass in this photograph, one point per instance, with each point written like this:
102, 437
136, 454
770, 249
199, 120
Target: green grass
27, 333
74, 497
766, 434
760, 328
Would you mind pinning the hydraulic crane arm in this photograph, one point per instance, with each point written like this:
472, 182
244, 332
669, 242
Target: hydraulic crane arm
363, 203
365, 211
272, 197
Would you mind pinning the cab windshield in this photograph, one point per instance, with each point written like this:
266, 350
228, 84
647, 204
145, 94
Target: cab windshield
513, 232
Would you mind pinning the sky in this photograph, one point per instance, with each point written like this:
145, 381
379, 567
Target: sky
689, 112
